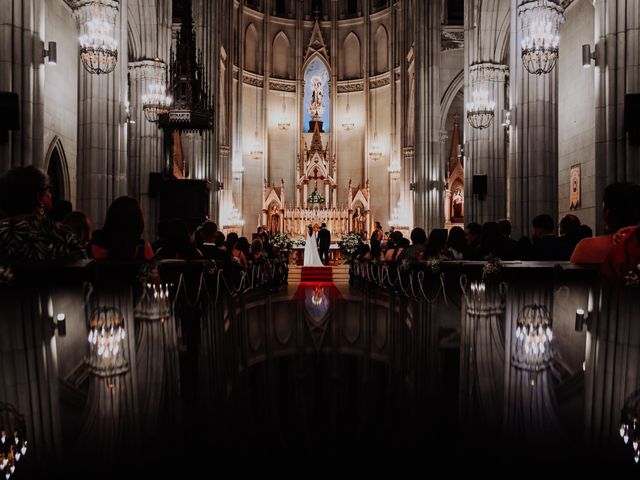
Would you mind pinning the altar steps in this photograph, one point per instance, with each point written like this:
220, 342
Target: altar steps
317, 274
337, 274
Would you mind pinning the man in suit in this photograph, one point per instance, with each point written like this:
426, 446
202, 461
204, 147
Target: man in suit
324, 242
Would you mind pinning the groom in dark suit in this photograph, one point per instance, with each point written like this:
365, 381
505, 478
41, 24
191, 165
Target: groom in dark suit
324, 242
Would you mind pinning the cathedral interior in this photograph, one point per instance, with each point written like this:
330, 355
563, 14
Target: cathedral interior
476, 163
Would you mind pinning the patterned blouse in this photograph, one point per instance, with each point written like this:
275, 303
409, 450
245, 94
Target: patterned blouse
37, 238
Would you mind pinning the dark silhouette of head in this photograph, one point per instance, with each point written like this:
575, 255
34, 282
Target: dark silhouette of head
123, 228
505, 227
620, 206
418, 236
456, 240
569, 225
24, 190
473, 232
543, 225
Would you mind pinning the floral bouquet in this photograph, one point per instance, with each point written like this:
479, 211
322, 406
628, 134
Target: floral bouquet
282, 240
350, 243
491, 270
300, 242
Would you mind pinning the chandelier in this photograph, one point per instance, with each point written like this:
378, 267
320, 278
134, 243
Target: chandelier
534, 335
284, 123
480, 110
540, 22
629, 428
375, 152
12, 444
347, 122
98, 47
156, 102
106, 332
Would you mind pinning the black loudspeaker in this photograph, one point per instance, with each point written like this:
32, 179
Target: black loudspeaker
155, 184
185, 199
479, 186
9, 111
632, 117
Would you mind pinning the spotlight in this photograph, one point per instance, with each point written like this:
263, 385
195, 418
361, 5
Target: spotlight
60, 324
587, 56
581, 319
52, 53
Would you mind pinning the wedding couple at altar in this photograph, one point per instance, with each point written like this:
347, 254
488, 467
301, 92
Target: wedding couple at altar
316, 247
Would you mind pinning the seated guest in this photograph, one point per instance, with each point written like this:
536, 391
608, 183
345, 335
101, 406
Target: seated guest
60, 209
436, 244
620, 208
415, 253
178, 243
621, 265
393, 245
121, 236
80, 225
585, 231
230, 242
490, 241
240, 253
257, 253
570, 231
546, 246
26, 234
216, 250
508, 246
456, 244
206, 233
402, 244
473, 232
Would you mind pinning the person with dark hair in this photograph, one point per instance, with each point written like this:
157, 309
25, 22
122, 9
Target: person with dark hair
456, 244
437, 243
214, 249
508, 247
570, 230
585, 231
473, 232
257, 253
26, 233
178, 243
324, 243
620, 209
241, 252
546, 246
490, 241
393, 245
376, 240
80, 224
60, 209
207, 233
230, 242
415, 252
121, 236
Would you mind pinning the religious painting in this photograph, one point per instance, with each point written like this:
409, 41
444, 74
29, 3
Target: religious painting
574, 185
316, 94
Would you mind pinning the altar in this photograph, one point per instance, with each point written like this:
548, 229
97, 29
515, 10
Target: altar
297, 255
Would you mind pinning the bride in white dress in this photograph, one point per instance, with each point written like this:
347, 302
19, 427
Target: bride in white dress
311, 255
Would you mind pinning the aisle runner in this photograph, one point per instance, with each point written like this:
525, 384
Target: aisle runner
317, 274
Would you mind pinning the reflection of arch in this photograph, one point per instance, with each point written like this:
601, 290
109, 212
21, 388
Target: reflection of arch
350, 64
56, 163
250, 49
280, 61
449, 96
382, 50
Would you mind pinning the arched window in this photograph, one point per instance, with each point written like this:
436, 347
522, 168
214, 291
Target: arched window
382, 50
57, 171
251, 49
350, 64
281, 48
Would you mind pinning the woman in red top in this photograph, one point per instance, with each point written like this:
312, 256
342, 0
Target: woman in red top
121, 237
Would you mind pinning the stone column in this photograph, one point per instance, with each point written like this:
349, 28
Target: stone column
486, 149
22, 72
617, 25
102, 134
145, 140
428, 165
533, 166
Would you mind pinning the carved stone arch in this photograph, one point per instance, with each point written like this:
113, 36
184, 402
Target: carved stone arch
381, 50
58, 170
503, 41
280, 57
251, 49
449, 96
134, 41
351, 59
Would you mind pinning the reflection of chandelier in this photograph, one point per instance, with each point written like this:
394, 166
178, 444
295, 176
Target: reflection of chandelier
540, 28
106, 332
98, 47
12, 447
284, 123
156, 102
256, 151
629, 427
347, 121
480, 110
534, 333
375, 152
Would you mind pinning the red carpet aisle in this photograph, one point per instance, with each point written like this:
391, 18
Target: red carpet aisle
317, 274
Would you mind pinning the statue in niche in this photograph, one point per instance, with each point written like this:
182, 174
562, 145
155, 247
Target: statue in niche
359, 221
274, 220
457, 201
316, 109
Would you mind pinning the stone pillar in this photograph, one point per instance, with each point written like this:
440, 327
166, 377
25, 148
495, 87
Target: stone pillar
486, 149
22, 72
533, 166
102, 134
617, 25
428, 166
145, 140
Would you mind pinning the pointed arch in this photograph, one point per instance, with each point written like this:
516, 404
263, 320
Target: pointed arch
381, 50
317, 66
456, 85
251, 49
58, 170
281, 53
350, 58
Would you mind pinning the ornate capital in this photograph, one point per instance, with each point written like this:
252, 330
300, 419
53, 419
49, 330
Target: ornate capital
148, 70
494, 72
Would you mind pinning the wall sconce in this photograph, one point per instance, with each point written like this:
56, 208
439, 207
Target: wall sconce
460, 150
587, 56
581, 319
506, 118
60, 324
413, 186
220, 186
51, 53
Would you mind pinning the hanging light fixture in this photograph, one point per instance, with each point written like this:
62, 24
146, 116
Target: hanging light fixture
284, 123
480, 110
13, 446
375, 152
156, 102
534, 336
347, 121
540, 22
630, 426
106, 334
98, 46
